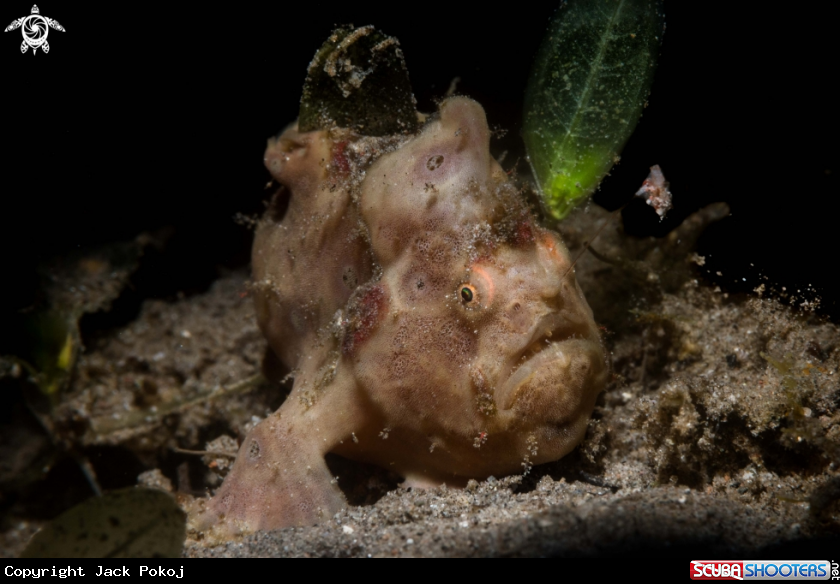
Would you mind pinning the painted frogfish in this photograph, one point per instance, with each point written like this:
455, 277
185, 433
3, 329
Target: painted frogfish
432, 325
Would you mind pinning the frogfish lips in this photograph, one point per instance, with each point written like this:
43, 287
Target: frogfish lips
557, 382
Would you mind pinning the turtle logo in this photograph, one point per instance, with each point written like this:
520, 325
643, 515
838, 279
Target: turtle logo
35, 29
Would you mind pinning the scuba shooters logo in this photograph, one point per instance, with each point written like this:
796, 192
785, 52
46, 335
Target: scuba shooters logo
35, 29
764, 570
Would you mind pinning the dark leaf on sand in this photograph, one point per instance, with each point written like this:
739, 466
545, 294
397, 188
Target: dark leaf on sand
130, 523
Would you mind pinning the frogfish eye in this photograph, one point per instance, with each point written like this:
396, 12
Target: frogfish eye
467, 293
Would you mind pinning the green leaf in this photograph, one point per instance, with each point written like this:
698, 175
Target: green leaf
130, 523
587, 89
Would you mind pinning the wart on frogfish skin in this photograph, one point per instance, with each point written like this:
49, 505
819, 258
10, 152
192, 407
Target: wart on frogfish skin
441, 393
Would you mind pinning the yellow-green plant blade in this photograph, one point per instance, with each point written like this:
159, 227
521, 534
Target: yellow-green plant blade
587, 89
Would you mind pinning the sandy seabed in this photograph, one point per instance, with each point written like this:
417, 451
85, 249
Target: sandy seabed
719, 432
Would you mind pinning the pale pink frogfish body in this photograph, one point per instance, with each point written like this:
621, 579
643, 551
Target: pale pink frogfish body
434, 328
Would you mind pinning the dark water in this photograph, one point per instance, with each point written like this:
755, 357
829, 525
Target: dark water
153, 116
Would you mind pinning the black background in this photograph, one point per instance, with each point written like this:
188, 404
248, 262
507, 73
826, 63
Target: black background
157, 115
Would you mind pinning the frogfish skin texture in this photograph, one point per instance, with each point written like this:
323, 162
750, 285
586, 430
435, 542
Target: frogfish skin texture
433, 327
